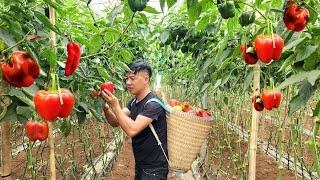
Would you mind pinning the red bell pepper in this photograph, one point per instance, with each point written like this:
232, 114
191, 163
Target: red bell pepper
268, 48
174, 102
271, 99
49, 106
21, 71
296, 18
108, 86
73, 58
37, 130
248, 57
257, 103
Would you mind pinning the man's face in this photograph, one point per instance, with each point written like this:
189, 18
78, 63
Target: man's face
137, 82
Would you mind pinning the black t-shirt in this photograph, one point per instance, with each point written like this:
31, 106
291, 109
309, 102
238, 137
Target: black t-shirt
147, 152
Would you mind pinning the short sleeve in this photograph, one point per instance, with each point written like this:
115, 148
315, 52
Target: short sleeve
129, 104
152, 110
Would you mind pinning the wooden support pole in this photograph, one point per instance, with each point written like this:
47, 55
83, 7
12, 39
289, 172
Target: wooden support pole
52, 161
6, 151
254, 125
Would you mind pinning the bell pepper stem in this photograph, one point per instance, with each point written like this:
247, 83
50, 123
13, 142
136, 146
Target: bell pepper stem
272, 35
59, 90
255, 9
53, 81
55, 85
272, 86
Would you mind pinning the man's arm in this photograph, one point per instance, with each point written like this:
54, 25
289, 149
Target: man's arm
129, 126
111, 118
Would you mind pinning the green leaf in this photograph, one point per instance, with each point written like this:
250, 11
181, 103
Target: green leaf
126, 54
293, 44
222, 54
225, 100
24, 113
104, 73
206, 64
248, 79
115, 12
194, 10
112, 35
205, 87
289, 61
96, 44
311, 76
50, 56
276, 3
316, 111
217, 84
21, 96
45, 21
202, 23
162, 2
82, 114
97, 115
311, 62
11, 113
151, 10
300, 100
226, 63
65, 128
164, 36
170, 3
304, 52
226, 78
83, 106
56, 6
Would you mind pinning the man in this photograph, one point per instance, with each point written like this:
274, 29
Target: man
151, 163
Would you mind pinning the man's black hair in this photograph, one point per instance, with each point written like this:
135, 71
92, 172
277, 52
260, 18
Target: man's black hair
139, 65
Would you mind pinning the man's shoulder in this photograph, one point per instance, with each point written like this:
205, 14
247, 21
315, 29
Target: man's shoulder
154, 95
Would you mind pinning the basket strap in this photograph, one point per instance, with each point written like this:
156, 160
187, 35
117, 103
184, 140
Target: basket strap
152, 128
159, 102
154, 100
158, 140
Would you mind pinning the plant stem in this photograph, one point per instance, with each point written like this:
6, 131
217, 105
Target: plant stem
312, 145
30, 161
255, 9
17, 44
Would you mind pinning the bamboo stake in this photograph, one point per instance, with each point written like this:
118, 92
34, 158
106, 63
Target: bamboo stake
50, 125
6, 151
254, 125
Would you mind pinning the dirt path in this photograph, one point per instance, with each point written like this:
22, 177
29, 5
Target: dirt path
124, 167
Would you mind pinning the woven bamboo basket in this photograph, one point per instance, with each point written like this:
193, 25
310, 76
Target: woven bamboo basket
186, 134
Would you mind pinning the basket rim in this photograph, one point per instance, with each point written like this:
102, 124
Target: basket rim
188, 114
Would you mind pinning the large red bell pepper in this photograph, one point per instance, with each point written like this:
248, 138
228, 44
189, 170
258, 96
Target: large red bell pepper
271, 99
37, 130
296, 18
73, 58
268, 48
108, 86
49, 106
21, 71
